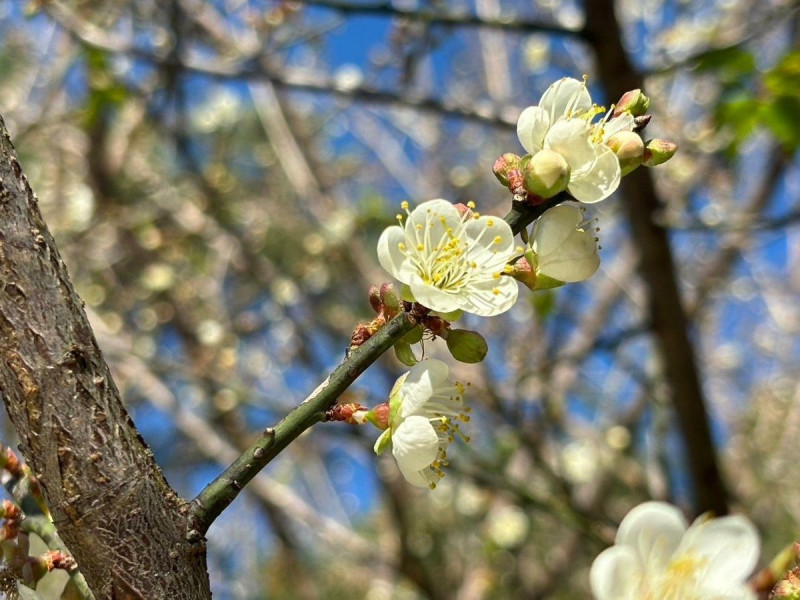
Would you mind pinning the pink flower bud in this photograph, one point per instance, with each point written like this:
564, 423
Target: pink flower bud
657, 152
505, 163
391, 300
375, 299
634, 102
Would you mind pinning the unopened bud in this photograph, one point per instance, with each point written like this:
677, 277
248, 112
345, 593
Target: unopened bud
56, 559
639, 123
352, 413
375, 298
787, 588
527, 275
634, 102
379, 416
464, 211
33, 570
503, 165
546, 175
657, 152
467, 346
629, 148
390, 299
524, 273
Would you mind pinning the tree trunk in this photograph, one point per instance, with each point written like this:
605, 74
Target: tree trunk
657, 268
119, 517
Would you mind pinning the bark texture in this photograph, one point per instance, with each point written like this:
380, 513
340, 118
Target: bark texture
657, 268
113, 508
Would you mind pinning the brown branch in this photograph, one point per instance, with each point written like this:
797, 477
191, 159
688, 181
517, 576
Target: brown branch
112, 506
658, 271
387, 9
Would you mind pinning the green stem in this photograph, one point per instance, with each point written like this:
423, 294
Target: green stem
221, 492
218, 494
44, 528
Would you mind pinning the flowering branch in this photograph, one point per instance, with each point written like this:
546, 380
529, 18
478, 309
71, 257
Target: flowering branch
217, 495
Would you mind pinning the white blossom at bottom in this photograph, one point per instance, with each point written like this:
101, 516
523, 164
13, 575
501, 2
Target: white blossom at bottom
657, 556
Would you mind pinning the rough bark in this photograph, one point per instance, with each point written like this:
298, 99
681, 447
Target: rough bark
113, 508
657, 269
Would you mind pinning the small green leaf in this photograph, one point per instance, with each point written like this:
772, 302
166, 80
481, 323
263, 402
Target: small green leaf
405, 354
543, 282
405, 293
467, 346
414, 336
782, 117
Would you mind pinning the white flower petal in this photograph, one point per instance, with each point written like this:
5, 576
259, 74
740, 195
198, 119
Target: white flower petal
654, 531
415, 443
420, 383
555, 226
576, 259
600, 181
738, 591
414, 477
623, 122
616, 574
730, 545
566, 95
425, 223
570, 138
486, 230
441, 255
389, 254
491, 297
433, 297
532, 126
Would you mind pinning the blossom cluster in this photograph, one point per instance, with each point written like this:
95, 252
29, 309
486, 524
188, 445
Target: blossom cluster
451, 260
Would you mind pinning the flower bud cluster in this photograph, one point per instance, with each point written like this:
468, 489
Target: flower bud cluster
568, 151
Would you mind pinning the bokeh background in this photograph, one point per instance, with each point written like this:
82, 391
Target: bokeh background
216, 174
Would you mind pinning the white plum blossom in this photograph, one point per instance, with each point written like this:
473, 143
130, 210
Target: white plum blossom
425, 411
657, 556
562, 123
451, 261
564, 251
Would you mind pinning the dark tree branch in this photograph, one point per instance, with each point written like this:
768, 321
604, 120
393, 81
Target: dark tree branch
658, 271
387, 9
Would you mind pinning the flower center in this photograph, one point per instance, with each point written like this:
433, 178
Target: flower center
679, 581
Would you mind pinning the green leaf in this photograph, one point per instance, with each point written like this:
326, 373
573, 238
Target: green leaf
405, 354
414, 336
467, 346
784, 78
782, 118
